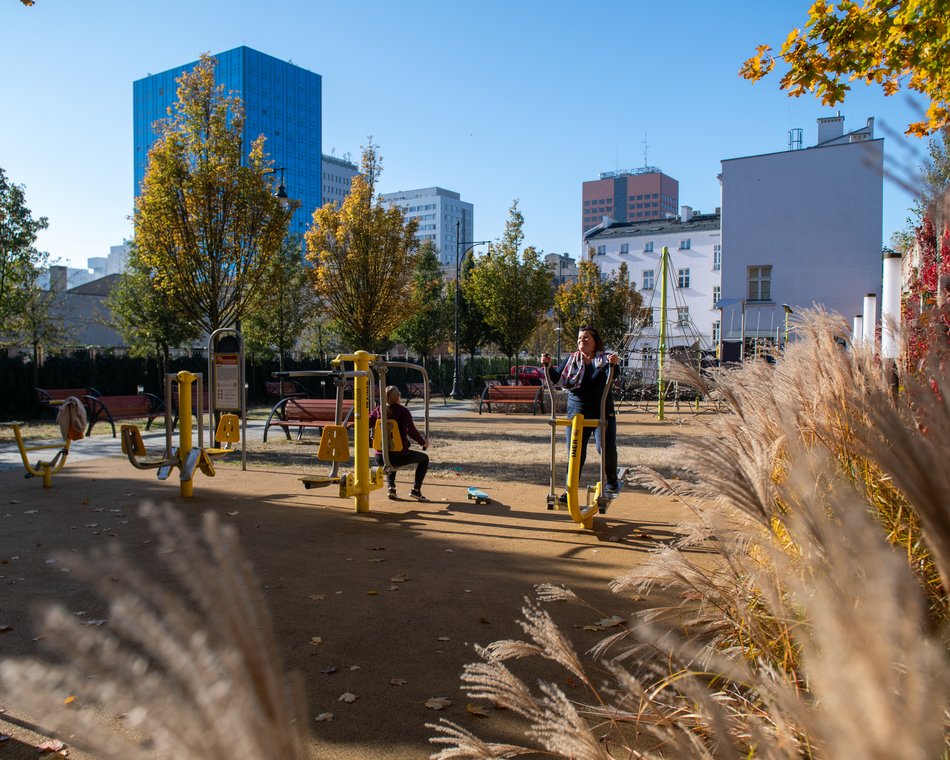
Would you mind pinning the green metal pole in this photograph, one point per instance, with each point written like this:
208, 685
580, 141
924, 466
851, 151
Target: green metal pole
661, 359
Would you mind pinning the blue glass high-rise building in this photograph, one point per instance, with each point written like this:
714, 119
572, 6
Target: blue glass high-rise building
282, 101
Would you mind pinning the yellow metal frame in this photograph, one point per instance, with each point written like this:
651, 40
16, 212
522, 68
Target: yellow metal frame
583, 515
41, 468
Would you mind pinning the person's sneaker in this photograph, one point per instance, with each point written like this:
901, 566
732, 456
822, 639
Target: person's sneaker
612, 490
562, 499
416, 494
392, 494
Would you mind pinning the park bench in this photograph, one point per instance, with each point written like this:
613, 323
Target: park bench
417, 390
205, 402
512, 394
285, 389
112, 408
306, 413
53, 396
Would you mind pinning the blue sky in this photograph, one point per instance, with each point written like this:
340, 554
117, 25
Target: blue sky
495, 100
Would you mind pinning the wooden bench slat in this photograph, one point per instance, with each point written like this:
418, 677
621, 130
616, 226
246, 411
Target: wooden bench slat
285, 389
512, 394
112, 408
305, 412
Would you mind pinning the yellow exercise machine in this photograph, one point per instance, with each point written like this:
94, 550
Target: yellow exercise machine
41, 468
334, 440
185, 457
596, 500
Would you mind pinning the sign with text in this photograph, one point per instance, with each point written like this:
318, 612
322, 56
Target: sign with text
227, 382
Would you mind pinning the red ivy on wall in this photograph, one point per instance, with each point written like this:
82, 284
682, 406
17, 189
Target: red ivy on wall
919, 313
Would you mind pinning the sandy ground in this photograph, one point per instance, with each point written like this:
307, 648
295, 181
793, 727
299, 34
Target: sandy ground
469, 568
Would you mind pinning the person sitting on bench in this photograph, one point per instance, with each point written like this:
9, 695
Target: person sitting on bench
407, 430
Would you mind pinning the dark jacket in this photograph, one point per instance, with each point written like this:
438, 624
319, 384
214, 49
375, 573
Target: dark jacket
403, 417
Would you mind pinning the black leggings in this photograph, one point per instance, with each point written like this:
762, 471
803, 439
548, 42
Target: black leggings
419, 458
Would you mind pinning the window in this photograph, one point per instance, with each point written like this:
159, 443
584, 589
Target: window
648, 247
647, 322
760, 283
717, 258
625, 247
682, 278
647, 279
716, 333
685, 245
601, 250
717, 294
682, 316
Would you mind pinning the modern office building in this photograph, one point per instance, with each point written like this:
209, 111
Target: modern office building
282, 101
338, 173
637, 195
440, 213
801, 227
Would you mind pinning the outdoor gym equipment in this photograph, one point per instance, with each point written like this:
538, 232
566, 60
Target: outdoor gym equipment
185, 457
334, 440
41, 468
596, 500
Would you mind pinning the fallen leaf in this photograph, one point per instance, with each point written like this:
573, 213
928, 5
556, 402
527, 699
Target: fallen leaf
398, 681
233, 514
50, 745
316, 641
329, 669
484, 621
95, 622
375, 548
449, 550
394, 588
572, 682
31, 511
401, 578
377, 560
443, 638
603, 625
354, 667
476, 710
318, 597
347, 696
372, 593
437, 703
69, 700
324, 717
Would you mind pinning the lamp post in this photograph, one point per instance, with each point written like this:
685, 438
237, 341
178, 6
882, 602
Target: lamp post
456, 392
281, 193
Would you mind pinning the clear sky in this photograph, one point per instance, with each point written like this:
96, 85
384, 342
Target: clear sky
496, 100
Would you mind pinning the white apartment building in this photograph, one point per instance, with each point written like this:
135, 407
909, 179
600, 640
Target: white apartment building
801, 227
693, 282
338, 174
444, 218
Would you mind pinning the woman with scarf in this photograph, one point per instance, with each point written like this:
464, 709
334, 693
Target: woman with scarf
584, 375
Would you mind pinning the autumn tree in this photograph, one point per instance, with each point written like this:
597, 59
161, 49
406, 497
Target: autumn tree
283, 309
891, 43
511, 287
474, 332
207, 223
605, 303
19, 259
146, 315
363, 257
432, 314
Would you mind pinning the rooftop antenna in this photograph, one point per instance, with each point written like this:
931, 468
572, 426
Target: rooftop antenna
645, 146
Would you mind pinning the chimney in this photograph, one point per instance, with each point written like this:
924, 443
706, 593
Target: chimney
686, 213
830, 128
57, 279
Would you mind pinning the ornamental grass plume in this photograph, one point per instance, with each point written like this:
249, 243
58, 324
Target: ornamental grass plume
196, 674
816, 627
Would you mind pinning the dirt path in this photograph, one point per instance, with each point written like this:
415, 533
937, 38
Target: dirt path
327, 571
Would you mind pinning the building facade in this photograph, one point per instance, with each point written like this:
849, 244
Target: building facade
637, 195
563, 268
338, 176
694, 281
444, 218
800, 228
281, 101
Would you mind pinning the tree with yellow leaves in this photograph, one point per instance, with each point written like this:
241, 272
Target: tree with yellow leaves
207, 223
892, 43
363, 257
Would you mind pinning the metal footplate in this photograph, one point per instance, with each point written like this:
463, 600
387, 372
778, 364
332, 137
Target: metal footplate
318, 481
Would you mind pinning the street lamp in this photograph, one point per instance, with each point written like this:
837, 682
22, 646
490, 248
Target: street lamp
456, 392
281, 193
